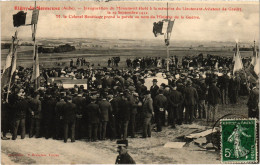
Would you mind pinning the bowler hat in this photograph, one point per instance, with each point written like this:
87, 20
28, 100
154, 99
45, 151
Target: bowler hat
155, 80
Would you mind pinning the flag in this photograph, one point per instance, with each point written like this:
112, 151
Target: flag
19, 19
157, 28
36, 70
170, 26
216, 65
256, 67
10, 66
35, 15
238, 62
255, 56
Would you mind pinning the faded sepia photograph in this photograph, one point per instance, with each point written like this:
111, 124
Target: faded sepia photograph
129, 82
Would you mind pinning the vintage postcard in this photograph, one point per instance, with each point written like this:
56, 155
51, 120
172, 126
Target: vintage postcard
129, 82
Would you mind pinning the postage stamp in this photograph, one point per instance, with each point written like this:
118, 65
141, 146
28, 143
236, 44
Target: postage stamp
238, 141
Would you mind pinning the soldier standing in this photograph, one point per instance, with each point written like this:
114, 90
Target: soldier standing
123, 157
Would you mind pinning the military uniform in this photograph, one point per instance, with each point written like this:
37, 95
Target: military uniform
124, 159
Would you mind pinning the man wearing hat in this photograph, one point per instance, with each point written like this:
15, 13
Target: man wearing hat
214, 97
147, 114
36, 115
93, 116
190, 100
160, 104
79, 101
20, 109
123, 157
105, 109
69, 119
154, 88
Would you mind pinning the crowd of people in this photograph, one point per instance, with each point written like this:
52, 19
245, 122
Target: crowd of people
117, 104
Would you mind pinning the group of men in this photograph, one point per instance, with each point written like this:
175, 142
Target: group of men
117, 103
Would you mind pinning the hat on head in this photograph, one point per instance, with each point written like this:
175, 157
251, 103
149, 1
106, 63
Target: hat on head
123, 143
189, 82
155, 80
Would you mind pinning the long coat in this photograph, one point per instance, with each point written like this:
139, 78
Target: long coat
160, 101
93, 113
214, 95
105, 109
148, 107
36, 107
124, 107
175, 99
69, 112
190, 96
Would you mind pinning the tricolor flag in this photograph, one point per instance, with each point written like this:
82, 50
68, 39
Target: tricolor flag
256, 67
10, 65
255, 56
22, 18
238, 62
36, 70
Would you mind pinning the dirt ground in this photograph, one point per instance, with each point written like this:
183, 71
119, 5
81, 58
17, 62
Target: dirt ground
143, 151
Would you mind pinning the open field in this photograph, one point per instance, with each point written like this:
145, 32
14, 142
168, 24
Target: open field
101, 55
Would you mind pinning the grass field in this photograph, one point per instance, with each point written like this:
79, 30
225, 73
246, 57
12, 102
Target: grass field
101, 55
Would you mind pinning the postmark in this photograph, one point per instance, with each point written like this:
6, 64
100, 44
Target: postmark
238, 141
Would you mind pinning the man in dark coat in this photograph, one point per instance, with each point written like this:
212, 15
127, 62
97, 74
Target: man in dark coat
114, 115
79, 101
105, 109
190, 100
21, 107
48, 111
94, 118
69, 119
123, 157
160, 104
133, 98
36, 115
253, 101
124, 107
214, 96
223, 83
154, 88
202, 98
59, 113
180, 88
148, 112
175, 100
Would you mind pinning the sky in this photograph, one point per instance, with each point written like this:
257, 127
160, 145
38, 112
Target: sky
212, 25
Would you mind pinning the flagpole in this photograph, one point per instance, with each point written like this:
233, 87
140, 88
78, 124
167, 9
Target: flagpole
34, 50
13, 53
167, 45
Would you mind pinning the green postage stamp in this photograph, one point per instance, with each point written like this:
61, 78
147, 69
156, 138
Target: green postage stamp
238, 141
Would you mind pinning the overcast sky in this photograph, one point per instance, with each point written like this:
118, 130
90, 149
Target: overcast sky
212, 25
